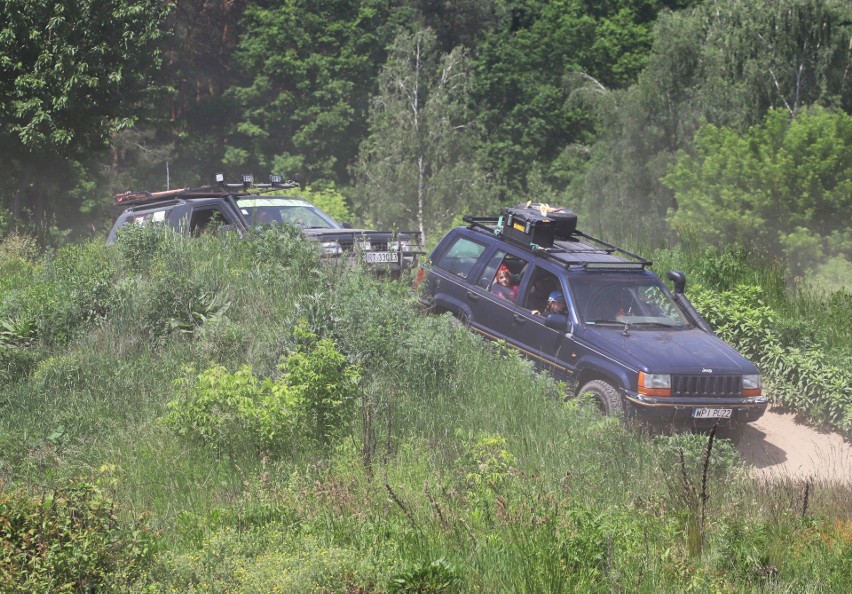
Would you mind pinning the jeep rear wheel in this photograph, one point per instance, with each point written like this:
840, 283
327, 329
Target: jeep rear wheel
606, 398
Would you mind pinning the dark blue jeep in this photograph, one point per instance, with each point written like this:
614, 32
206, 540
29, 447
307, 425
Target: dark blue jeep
594, 316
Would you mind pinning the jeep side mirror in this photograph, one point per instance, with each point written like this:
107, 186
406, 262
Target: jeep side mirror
679, 280
346, 225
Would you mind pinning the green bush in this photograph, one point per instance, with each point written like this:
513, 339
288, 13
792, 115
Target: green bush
217, 407
324, 387
310, 404
137, 246
802, 378
16, 362
435, 577
71, 539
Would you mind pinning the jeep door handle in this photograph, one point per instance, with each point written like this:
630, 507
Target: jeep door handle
519, 319
472, 296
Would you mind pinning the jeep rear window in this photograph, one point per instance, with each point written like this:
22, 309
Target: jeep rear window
460, 257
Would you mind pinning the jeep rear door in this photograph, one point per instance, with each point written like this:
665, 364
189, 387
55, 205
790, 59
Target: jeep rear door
453, 265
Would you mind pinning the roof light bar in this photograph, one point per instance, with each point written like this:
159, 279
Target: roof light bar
248, 180
275, 179
614, 265
220, 178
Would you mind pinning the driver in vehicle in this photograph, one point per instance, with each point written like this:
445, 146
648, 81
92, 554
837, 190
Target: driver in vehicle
555, 305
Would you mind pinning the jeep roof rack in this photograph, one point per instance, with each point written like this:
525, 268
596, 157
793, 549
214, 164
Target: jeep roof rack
580, 249
220, 188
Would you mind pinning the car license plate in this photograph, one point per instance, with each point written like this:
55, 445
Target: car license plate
711, 413
377, 257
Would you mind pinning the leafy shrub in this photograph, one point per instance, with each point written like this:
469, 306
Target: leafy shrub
488, 467
277, 249
311, 403
17, 363
64, 295
18, 254
86, 273
138, 244
435, 577
324, 387
800, 377
693, 446
68, 540
217, 407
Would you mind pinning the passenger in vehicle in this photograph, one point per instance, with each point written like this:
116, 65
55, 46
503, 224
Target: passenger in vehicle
505, 286
555, 305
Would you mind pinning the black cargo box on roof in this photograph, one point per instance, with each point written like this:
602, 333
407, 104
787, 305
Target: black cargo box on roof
539, 224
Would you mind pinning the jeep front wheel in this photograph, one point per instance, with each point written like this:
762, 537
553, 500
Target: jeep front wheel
606, 398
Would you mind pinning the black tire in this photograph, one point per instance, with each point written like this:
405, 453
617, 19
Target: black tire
606, 398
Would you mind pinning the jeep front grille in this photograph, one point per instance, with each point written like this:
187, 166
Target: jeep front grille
721, 386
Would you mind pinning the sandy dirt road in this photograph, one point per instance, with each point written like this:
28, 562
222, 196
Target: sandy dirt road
780, 445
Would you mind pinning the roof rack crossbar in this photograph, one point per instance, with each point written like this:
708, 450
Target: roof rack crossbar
219, 189
614, 248
490, 224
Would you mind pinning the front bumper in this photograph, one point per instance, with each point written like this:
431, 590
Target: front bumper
679, 410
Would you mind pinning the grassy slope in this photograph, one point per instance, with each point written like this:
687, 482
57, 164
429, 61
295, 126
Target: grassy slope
465, 470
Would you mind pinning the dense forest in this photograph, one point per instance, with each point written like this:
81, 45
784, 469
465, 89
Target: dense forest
722, 120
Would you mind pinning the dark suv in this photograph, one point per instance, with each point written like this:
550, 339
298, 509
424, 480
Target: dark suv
639, 350
239, 207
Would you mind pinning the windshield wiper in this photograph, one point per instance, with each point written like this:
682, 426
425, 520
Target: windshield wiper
603, 321
657, 324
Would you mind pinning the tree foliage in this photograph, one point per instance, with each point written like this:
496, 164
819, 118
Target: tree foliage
312, 67
726, 63
66, 84
785, 185
71, 73
529, 69
416, 167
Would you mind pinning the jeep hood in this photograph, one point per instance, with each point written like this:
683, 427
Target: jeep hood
679, 351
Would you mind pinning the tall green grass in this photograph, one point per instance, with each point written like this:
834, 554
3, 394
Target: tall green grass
462, 470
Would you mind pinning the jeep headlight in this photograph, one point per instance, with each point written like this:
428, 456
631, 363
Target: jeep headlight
331, 248
655, 384
752, 385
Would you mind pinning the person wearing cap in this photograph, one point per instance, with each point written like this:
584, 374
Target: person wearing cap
555, 305
504, 285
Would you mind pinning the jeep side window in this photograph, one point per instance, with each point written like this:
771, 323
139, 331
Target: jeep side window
542, 284
204, 219
502, 275
460, 258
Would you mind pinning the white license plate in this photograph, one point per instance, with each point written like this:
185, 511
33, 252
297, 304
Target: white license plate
711, 413
376, 257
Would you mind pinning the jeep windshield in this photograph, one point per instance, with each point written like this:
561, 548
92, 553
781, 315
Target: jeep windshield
291, 211
641, 302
